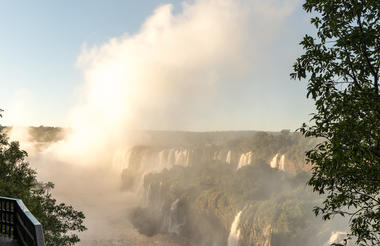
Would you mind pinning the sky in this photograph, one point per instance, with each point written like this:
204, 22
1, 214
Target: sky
216, 64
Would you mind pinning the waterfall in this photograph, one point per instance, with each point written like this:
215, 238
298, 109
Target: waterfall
120, 159
181, 157
187, 162
245, 159
242, 161
175, 221
234, 236
163, 158
171, 157
273, 163
178, 155
228, 159
215, 156
282, 163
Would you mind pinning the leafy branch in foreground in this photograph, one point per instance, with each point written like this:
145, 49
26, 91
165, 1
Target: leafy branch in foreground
18, 180
341, 65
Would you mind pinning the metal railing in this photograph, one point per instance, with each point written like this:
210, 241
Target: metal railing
16, 222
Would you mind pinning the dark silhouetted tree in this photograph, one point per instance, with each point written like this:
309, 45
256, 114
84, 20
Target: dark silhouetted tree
341, 64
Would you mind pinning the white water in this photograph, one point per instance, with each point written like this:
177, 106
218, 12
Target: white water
278, 162
234, 236
228, 158
273, 163
167, 158
155, 161
174, 223
121, 159
245, 159
336, 237
282, 163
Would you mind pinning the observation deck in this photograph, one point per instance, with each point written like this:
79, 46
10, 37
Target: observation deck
18, 226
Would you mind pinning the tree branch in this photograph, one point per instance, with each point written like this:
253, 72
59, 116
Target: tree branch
365, 53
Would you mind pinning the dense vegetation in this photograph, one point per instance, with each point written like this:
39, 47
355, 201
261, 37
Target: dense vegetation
44, 134
342, 64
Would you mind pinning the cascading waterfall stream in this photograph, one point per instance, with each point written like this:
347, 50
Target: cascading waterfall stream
282, 163
228, 158
277, 162
245, 159
234, 236
273, 163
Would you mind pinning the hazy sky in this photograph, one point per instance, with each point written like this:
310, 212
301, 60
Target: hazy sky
42, 42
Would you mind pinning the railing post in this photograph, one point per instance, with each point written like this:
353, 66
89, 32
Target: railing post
17, 222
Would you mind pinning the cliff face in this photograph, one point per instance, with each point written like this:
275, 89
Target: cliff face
158, 158
283, 152
200, 203
241, 192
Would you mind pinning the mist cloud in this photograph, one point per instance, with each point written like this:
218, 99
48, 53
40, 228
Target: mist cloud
171, 72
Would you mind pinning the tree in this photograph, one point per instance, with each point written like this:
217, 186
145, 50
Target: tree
18, 180
341, 64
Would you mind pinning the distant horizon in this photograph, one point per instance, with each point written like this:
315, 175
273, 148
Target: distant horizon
173, 131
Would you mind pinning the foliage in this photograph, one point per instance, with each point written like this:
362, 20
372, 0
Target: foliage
342, 67
18, 180
46, 134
